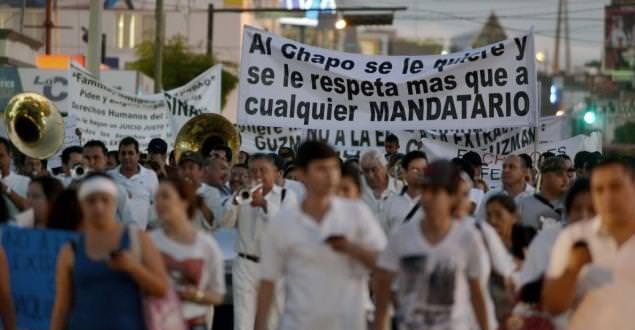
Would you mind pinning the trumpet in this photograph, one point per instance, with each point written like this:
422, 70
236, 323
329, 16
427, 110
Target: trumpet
245, 195
78, 172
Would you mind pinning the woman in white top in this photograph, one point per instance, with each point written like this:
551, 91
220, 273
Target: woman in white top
193, 259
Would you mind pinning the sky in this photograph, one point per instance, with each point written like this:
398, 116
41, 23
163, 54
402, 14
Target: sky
448, 18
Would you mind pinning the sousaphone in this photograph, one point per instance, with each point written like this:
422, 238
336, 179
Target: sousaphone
204, 131
34, 125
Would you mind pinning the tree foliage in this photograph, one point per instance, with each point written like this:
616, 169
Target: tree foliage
180, 65
625, 134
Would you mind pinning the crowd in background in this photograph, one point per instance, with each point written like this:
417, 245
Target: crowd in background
383, 241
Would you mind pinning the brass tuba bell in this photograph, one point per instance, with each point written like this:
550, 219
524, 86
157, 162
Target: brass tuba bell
205, 131
34, 125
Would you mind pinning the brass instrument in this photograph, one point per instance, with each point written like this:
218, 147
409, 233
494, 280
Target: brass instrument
34, 125
208, 129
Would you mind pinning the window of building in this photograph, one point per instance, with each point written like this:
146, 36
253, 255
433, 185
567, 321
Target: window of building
126, 30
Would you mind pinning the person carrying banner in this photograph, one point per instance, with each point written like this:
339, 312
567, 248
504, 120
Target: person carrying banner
405, 205
139, 182
377, 185
102, 277
514, 179
323, 249
13, 185
435, 261
546, 207
250, 215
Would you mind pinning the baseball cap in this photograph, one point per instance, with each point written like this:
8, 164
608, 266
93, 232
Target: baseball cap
191, 156
286, 152
439, 173
157, 146
553, 164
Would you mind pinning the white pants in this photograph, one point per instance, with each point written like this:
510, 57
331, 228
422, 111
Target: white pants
245, 280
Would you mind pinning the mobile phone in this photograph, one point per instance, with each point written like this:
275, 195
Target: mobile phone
332, 238
115, 254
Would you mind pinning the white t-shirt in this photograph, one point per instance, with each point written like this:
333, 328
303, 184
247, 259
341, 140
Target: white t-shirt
324, 289
539, 253
433, 289
199, 264
603, 249
295, 186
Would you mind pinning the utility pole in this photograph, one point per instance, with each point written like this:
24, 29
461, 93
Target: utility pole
22, 12
556, 60
210, 29
158, 47
48, 26
94, 37
567, 41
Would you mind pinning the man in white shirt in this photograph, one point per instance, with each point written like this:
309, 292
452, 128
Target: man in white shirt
14, 186
514, 179
251, 219
139, 183
71, 157
587, 254
216, 175
324, 251
549, 202
406, 203
96, 155
377, 185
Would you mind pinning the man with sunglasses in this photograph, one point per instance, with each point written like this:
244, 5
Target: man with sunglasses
548, 203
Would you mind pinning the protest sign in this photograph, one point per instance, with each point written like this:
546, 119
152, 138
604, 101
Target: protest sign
492, 168
32, 258
107, 114
201, 95
296, 85
255, 139
53, 84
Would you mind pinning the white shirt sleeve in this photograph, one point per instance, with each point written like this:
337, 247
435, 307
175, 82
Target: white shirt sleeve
272, 253
502, 260
560, 254
389, 259
230, 215
372, 235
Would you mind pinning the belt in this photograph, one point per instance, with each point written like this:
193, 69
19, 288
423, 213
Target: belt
249, 257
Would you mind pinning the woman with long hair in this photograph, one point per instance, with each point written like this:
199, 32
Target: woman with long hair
102, 277
193, 258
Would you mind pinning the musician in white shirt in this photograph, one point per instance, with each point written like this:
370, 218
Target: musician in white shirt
250, 219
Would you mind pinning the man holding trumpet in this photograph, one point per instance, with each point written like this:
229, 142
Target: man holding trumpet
249, 210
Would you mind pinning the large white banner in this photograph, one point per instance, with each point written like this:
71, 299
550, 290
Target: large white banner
493, 161
53, 84
289, 84
107, 114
